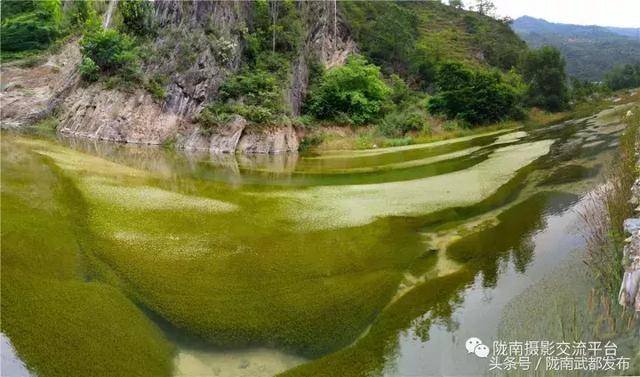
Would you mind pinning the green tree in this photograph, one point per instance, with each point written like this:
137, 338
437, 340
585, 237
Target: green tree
474, 96
485, 7
623, 77
29, 24
354, 93
544, 71
136, 16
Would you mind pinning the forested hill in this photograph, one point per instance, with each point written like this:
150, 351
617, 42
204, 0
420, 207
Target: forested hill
590, 51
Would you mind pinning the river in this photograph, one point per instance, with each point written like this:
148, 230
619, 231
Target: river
379, 261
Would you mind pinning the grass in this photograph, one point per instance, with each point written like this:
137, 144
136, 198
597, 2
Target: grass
609, 206
59, 323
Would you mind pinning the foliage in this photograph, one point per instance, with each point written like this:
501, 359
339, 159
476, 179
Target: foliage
412, 38
276, 28
386, 31
156, 86
474, 96
78, 13
113, 52
354, 92
624, 77
89, 70
29, 24
401, 121
213, 115
543, 70
136, 16
582, 89
458, 4
590, 51
310, 141
253, 94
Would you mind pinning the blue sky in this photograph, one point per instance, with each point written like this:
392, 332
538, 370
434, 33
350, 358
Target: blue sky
624, 13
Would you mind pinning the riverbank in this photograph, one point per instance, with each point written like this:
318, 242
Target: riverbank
327, 137
629, 295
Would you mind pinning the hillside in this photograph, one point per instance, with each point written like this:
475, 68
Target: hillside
238, 76
590, 51
418, 34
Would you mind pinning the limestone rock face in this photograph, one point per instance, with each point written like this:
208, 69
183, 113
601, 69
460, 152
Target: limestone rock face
274, 140
31, 93
112, 115
223, 139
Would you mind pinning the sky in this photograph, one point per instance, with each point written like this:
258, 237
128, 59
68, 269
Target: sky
622, 13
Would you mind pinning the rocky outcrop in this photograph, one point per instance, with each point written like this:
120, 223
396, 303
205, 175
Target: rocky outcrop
197, 46
270, 140
223, 139
32, 93
96, 113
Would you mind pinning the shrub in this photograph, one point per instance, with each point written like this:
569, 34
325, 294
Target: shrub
213, 115
107, 48
398, 123
89, 70
156, 86
354, 90
310, 141
136, 16
474, 96
113, 53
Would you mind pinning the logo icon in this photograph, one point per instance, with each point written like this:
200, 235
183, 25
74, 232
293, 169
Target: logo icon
475, 346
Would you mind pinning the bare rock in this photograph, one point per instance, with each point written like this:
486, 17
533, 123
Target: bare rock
32, 93
95, 113
279, 139
223, 139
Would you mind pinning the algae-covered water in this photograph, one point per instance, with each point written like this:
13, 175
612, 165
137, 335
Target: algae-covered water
132, 260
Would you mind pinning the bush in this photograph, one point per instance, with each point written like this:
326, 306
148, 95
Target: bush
113, 53
354, 91
136, 16
473, 96
398, 123
156, 86
29, 25
107, 48
213, 115
89, 70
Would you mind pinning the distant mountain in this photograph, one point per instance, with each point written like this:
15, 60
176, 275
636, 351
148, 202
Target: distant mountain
591, 51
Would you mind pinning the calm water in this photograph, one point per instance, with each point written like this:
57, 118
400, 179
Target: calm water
380, 261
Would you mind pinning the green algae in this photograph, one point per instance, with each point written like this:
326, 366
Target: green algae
315, 270
59, 323
360, 204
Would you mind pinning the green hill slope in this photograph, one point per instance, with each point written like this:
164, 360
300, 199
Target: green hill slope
590, 51
411, 37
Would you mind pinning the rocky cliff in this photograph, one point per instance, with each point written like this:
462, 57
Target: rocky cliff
197, 45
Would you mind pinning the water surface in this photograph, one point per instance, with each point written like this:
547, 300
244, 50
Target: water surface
378, 261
